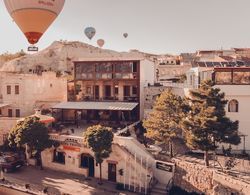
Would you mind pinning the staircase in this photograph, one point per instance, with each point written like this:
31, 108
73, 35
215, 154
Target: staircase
159, 189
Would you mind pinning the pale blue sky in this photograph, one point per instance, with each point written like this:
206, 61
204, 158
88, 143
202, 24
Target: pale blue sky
158, 26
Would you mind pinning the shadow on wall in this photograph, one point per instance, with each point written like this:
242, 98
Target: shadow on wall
183, 182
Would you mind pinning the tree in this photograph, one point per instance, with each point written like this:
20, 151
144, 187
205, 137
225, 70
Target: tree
206, 124
99, 139
163, 122
33, 133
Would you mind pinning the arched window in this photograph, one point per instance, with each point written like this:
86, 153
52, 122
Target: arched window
233, 106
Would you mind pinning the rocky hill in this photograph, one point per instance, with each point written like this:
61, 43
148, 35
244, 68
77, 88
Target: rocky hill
5, 57
60, 55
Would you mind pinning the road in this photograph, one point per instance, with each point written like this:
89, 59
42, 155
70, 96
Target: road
59, 183
7, 191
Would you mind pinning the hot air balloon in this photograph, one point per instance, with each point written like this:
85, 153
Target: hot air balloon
90, 32
34, 17
100, 42
125, 35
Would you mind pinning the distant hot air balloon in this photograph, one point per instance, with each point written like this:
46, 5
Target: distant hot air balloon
100, 42
90, 32
125, 35
34, 17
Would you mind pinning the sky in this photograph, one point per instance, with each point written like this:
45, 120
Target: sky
156, 26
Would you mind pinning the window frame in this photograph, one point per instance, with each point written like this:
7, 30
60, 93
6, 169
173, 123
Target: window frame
230, 103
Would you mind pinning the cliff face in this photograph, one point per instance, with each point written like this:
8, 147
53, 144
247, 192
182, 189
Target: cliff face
59, 56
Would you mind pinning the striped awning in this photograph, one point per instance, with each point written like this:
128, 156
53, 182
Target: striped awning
123, 106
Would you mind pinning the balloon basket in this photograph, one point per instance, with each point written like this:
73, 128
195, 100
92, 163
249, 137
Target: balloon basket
32, 48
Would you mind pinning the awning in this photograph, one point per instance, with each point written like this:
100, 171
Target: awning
124, 106
42, 118
3, 105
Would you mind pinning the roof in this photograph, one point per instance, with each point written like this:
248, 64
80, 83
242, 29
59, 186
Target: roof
3, 105
42, 118
124, 106
108, 59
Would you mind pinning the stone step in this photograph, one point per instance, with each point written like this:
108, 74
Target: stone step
160, 187
158, 191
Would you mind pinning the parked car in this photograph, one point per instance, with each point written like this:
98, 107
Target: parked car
10, 162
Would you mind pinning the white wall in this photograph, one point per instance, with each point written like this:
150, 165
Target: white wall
147, 76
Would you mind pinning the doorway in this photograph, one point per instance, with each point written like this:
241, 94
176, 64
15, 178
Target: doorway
112, 172
97, 94
107, 92
87, 161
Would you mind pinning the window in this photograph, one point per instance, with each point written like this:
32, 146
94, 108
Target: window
116, 90
223, 78
17, 113
59, 157
8, 89
134, 90
241, 78
134, 67
10, 113
126, 91
124, 67
107, 91
88, 90
233, 106
16, 89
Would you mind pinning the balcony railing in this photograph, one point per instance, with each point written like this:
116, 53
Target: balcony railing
108, 98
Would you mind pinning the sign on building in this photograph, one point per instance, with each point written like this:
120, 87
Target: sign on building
164, 166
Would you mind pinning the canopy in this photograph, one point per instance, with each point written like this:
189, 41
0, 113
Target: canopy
3, 105
124, 106
42, 118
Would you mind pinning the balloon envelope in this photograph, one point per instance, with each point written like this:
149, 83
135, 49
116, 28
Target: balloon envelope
100, 42
125, 35
90, 32
34, 17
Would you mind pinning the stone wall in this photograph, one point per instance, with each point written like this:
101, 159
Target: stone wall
226, 185
194, 177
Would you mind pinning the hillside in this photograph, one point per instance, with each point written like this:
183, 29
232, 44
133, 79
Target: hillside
60, 55
6, 57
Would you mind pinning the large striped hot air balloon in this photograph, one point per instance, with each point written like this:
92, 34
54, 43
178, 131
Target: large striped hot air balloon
34, 17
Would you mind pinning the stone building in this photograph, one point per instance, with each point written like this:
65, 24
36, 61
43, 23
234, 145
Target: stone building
106, 90
21, 94
235, 83
170, 68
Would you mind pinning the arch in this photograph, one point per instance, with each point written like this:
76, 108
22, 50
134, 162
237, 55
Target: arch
58, 156
233, 106
87, 161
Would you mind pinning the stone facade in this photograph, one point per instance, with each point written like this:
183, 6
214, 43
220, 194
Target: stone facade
194, 177
136, 174
23, 93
